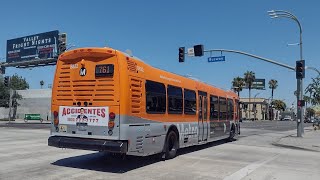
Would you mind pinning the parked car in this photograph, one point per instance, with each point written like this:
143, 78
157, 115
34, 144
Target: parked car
316, 122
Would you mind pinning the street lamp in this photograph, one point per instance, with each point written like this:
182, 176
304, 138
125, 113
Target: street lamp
315, 69
286, 14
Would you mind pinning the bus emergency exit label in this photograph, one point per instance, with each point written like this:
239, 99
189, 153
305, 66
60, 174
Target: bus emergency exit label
93, 116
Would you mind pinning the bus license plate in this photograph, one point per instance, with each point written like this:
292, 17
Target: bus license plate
82, 126
62, 128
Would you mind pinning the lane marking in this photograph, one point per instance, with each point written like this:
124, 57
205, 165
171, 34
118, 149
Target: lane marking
250, 168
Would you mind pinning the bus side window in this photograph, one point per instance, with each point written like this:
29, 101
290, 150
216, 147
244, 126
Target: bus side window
174, 100
190, 103
155, 97
230, 109
223, 108
214, 108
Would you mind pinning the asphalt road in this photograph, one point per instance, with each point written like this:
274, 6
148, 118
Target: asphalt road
262, 127
24, 154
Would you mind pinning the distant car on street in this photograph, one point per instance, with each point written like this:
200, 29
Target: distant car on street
287, 118
310, 120
316, 122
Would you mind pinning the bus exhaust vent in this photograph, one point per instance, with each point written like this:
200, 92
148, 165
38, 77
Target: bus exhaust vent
132, 66
139, 143
136, 95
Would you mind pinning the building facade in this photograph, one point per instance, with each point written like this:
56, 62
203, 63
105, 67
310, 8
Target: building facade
254, 109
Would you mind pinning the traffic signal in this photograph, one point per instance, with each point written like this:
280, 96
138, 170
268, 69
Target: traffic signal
6, 81
198, 50
62, 45
181, 54
2, 70
300, 69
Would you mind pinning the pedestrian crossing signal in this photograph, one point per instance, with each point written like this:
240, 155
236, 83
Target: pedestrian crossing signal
198, 50
301, 103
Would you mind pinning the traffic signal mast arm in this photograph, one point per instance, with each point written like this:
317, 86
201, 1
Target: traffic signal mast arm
253, 56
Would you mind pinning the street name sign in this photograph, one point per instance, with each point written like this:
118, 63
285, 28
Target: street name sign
216, 59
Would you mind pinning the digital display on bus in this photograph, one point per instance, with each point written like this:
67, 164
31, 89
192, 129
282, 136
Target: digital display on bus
104, 70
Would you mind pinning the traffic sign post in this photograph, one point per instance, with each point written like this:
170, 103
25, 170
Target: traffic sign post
190, 52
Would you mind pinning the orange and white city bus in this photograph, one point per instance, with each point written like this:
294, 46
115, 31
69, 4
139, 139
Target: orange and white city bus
106, 100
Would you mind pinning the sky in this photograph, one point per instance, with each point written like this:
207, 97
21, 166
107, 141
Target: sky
154, 30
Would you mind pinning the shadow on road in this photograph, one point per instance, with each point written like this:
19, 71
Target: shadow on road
106, 162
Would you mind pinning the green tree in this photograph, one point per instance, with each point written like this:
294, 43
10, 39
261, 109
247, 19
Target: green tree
310, 112
314, 91
16, 83
273, 84
249, 78
41, 83
279, 105
238, 84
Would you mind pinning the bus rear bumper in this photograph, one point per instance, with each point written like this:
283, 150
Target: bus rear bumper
88, 144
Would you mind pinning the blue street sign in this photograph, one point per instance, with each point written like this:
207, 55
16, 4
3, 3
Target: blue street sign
216, 59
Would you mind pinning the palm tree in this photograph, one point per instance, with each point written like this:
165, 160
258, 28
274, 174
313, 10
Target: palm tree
273, 84
237, 84
41, 83
249, 78
279, 105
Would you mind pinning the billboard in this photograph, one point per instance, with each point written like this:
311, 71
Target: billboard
258, 84
92, 116
37, 46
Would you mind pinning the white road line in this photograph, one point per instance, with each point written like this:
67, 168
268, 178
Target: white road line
250, 168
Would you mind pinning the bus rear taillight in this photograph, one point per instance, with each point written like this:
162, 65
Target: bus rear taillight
112, 116
55, 118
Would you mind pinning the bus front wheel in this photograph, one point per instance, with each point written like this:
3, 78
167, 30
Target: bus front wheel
171, 145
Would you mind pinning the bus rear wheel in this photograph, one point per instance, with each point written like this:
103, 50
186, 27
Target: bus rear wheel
171, 145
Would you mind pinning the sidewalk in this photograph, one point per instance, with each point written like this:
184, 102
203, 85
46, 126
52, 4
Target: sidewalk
309, 142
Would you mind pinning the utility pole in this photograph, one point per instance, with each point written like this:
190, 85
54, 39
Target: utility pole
286, 14
10, 103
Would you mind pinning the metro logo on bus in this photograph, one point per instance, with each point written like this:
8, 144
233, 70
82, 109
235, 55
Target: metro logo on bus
190, 130
95, 116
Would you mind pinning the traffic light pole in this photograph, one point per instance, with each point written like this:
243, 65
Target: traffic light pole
300, 118
286, 14
300, 109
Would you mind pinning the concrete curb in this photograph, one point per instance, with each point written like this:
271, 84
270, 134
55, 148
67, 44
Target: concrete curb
309, 141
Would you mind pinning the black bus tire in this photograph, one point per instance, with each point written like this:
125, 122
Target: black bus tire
171, 145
